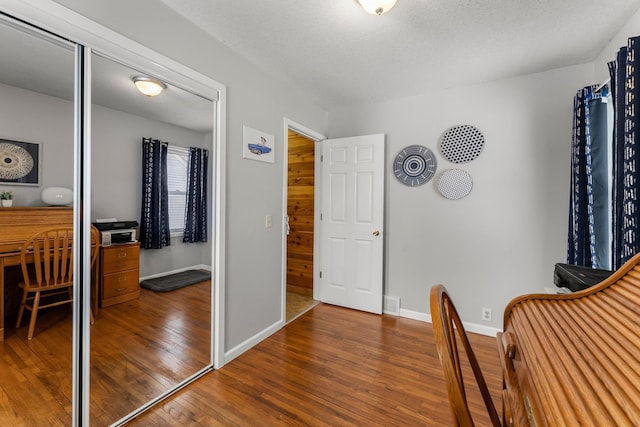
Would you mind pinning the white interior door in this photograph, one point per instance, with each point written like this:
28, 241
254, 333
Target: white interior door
352, 222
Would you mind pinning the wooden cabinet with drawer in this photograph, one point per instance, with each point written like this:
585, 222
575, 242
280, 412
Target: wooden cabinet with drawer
119, 273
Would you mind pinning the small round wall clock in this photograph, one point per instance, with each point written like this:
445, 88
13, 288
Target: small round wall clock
414, 165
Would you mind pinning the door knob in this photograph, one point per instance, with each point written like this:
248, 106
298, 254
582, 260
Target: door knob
376, 233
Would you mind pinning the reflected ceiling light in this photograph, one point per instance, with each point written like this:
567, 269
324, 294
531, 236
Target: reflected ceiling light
377, 7
149, 86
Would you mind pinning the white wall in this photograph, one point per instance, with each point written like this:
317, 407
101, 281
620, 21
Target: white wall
31, 117
504, 238
630, 29
253, 253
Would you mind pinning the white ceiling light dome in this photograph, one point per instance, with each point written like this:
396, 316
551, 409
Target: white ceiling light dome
377, 7
149, 86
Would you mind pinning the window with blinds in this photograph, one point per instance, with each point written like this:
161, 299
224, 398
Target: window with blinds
177, 168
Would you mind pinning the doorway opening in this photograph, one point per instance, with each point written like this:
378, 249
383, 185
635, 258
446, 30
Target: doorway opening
300, 224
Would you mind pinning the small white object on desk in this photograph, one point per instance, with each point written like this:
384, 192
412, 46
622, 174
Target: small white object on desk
56, 196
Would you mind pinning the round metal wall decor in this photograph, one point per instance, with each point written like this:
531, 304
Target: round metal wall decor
461, 144
15, 162
415, 165
455, 184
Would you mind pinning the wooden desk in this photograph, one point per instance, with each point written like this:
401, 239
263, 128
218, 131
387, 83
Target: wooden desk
574, 359
16, 226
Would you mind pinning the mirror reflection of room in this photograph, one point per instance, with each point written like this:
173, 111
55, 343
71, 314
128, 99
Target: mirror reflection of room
36, 87
144, 339
151, 173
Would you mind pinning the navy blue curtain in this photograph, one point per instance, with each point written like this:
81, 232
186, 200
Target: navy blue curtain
154, 222
625, 77
578, 245
599, 184
195, 227
617, 75
589, 212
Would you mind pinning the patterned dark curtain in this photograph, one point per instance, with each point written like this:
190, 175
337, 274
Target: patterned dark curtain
625, 77
154, 223
579, 252
616, 72
195, 227
589, 200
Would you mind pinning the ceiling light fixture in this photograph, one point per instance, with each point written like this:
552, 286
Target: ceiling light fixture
149, 86
377, 7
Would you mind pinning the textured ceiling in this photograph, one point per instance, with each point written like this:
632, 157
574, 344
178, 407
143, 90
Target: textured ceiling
341, 55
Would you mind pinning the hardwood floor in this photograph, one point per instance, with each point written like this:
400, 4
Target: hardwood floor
332, 366
141, 348
138, 350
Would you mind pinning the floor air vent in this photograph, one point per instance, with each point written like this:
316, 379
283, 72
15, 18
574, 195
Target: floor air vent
391, 305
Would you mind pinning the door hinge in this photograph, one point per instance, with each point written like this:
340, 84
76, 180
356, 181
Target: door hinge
321, 158
320, 217
321, 274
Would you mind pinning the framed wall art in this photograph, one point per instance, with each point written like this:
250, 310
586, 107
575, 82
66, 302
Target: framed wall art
19, 162
257, 145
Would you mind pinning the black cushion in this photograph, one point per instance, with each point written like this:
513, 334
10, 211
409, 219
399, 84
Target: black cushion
576, 277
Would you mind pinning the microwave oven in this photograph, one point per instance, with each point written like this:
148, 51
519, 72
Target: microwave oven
117, 237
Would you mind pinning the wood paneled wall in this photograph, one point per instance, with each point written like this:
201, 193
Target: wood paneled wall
300, 210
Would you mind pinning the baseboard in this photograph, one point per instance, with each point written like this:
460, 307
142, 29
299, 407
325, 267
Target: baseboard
469, 327
415, 315
177, 270
252, 341
481, 329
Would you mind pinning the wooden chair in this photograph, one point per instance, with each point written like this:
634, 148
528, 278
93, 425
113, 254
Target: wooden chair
446, 323
50, 253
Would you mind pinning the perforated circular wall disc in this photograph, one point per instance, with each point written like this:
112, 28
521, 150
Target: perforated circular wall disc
15, 162
461, 144
415, 165
455, 184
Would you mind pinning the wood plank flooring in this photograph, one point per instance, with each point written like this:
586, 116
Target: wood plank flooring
332, 366
138, 350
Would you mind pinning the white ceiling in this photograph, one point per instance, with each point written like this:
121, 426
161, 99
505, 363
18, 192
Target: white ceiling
342, 56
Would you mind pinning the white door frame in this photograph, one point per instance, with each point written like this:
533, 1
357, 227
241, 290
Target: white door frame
316, 137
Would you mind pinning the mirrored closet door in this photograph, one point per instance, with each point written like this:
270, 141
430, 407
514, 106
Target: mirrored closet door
36, 160
143, 340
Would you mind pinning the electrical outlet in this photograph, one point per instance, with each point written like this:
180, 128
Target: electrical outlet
486, 314
268, 221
